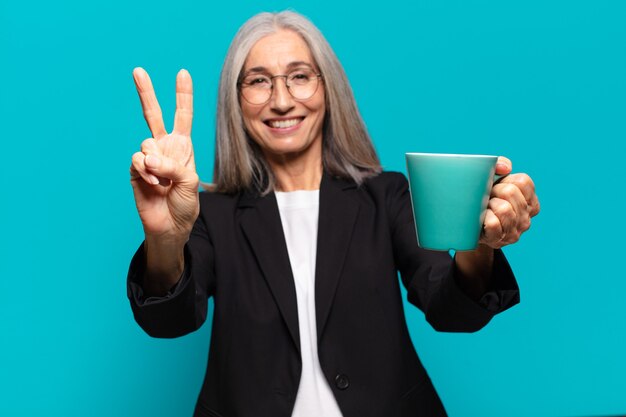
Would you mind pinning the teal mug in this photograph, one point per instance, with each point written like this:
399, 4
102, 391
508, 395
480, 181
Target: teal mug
450, 195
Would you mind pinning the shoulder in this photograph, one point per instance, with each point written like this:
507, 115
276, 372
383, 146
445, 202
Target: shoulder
386, 183
382, 191
386, 179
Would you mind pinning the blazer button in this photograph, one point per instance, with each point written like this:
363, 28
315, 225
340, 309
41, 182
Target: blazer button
342, 382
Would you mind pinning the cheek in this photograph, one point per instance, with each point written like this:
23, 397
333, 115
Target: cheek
321, 114
250, 120
321, 107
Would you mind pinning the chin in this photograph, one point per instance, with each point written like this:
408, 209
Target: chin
287, 146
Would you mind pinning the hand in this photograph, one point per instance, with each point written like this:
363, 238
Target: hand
163, 173
512, 204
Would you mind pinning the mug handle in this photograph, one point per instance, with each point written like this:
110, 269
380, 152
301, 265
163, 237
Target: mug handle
497, 178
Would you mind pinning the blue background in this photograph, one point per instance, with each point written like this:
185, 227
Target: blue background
541, 82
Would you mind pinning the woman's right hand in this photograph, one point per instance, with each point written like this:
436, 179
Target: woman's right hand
163, 173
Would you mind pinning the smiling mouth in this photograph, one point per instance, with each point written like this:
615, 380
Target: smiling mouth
284, 124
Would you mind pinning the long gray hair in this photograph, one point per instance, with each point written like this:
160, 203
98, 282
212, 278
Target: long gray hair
348, 151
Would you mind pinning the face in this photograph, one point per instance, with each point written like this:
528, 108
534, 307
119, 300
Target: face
284, 127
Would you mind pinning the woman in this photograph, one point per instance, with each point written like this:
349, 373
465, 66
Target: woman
301, 241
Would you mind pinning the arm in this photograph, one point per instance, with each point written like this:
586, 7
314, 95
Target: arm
473, 271
183, 308
165, 263
432, 278
512, 204
165, 187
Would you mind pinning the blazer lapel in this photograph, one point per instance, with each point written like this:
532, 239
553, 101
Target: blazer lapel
260, 221
337, 216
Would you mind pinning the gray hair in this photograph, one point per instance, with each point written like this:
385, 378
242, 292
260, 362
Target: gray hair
348, 151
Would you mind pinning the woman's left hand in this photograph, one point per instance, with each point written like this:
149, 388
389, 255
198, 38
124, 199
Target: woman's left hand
512, 204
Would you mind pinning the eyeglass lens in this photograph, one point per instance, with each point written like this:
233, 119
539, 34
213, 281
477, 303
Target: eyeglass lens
301, 84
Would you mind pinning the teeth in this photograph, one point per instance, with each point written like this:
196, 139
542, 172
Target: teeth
283, 124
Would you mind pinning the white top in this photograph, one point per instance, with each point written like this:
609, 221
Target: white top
299, 212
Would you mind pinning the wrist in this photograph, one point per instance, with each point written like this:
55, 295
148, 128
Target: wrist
474, 270
165, 241
165, 263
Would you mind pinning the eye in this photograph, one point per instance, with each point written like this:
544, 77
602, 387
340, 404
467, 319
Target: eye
257, 81
301, 76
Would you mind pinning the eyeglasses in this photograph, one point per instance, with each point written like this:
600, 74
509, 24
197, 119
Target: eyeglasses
301, 83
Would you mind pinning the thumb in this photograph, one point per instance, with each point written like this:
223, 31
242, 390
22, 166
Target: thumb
169, 168
504, 166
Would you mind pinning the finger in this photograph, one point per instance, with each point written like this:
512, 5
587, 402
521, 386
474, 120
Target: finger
513, 195
524, 183
527, 187
149, 103
150, 146
534, 206
138, 169
184, 103
506, 215
503, 166
169, 168
492, 229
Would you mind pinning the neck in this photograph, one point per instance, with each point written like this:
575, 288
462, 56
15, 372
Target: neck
294, 173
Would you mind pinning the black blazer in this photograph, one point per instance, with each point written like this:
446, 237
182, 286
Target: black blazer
238, 255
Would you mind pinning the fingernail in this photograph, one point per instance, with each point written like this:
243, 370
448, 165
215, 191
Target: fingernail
152, 161
153, 180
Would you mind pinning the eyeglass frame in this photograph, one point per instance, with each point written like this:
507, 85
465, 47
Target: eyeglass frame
318, 75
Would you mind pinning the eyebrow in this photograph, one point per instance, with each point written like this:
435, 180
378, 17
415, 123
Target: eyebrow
291, 65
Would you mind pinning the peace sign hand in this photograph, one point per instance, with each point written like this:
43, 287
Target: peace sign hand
163, 173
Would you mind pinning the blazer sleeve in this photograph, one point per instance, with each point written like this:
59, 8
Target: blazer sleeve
184, 309
430, 276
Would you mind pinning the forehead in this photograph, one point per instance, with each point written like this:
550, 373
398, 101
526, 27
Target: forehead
277, 51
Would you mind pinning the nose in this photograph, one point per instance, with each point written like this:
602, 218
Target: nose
281, 100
